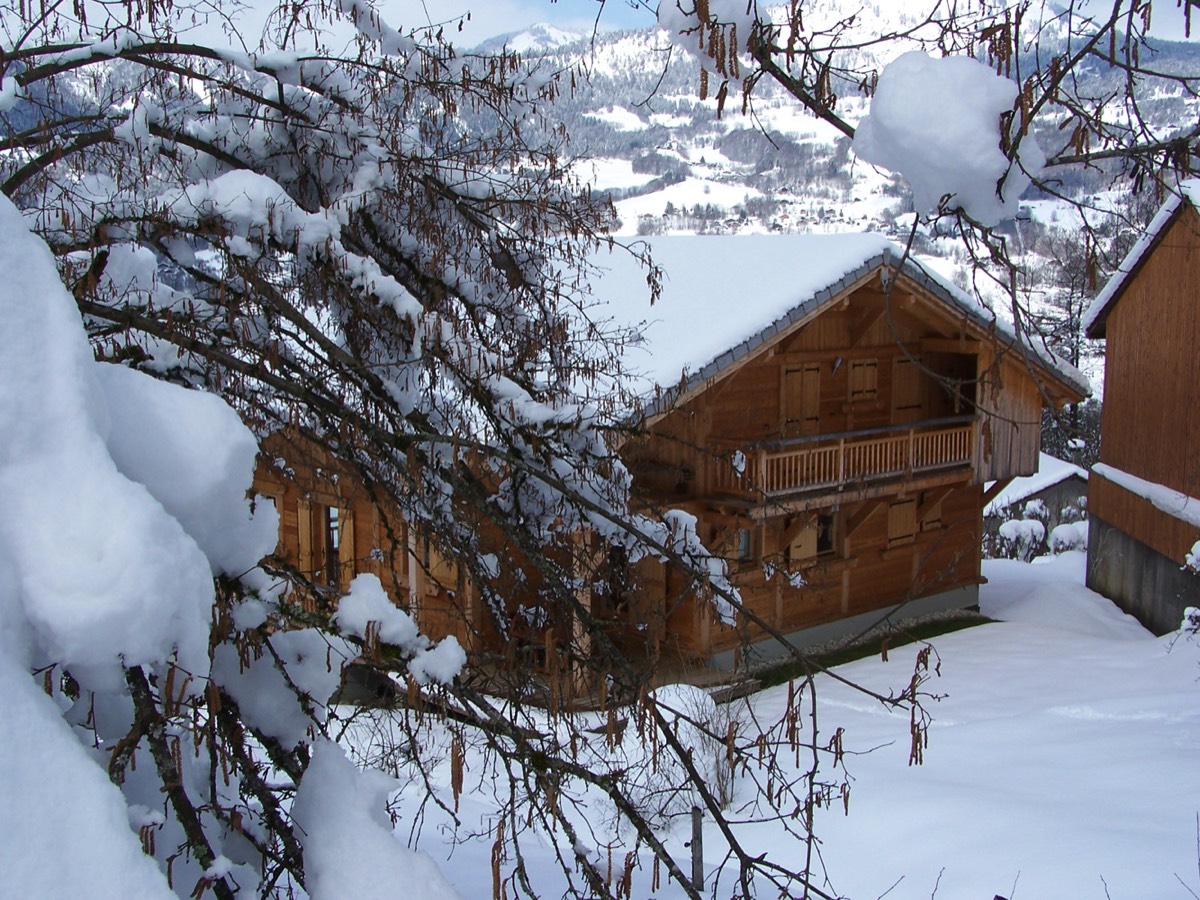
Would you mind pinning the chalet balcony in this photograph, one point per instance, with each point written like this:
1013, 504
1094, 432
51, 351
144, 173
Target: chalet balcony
850, 459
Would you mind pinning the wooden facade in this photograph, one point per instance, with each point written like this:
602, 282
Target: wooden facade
837, 466
839, 469
332, 529
1149, 318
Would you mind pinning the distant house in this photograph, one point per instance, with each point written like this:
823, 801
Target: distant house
1057, 492
826, 407
1144, 511
829, 410
330, 526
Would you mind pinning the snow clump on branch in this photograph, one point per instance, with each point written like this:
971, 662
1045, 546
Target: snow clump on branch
367, 608
937, 123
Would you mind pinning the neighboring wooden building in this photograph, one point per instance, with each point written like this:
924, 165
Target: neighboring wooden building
839, 412
1060, 487
1142, 508
332, 528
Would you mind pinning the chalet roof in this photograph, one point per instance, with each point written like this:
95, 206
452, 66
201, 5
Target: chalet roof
1051, 471
1096, 317
726, 297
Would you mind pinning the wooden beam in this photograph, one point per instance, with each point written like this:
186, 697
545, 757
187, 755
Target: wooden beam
865, 324
772, 507
859, 519
950, 345
933, 501
991, 493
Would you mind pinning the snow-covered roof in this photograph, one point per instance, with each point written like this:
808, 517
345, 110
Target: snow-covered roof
724, 297
1097, 313
1051, 471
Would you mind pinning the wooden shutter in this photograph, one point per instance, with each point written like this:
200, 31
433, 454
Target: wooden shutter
304, 523
804, 544
902, 522
347, 556
864, 379
906, 391
802, 399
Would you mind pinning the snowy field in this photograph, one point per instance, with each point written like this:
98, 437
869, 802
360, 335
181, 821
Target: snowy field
1061, 763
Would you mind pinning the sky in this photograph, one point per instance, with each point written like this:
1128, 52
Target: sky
489, 18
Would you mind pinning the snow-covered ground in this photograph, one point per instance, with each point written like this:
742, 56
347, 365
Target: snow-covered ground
1061, 763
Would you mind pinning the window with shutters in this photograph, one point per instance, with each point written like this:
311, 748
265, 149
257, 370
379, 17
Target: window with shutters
326, 534
902, 522
906, 391
864, 379
802, 399
817, 538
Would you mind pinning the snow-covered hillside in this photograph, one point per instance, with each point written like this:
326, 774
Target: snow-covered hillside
671, 165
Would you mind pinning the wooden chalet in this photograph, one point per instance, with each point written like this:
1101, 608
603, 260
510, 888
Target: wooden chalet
830, 411
333, 528
1143, 509
827, 408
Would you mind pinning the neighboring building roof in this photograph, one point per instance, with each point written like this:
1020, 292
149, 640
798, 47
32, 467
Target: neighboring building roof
1097, 314
1051, 471
724, 297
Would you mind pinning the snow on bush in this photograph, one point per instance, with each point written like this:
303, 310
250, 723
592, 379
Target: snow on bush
1068, 536
57, 800
1022, 538
107, 550
681, 20
658, 782
313, 662
101, 573
1036, 509
937, 123
1192, 560
193, 454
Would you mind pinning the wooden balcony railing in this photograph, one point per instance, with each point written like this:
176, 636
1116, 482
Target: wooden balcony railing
835, 461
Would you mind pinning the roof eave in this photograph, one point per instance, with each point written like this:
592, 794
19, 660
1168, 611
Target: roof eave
1096, 318
666, 399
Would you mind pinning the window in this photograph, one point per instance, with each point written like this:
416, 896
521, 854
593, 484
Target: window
802, 399
864, 379
902, 522
745, 544
333, 534
326, 539
816, 538
931, 519
906, 390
